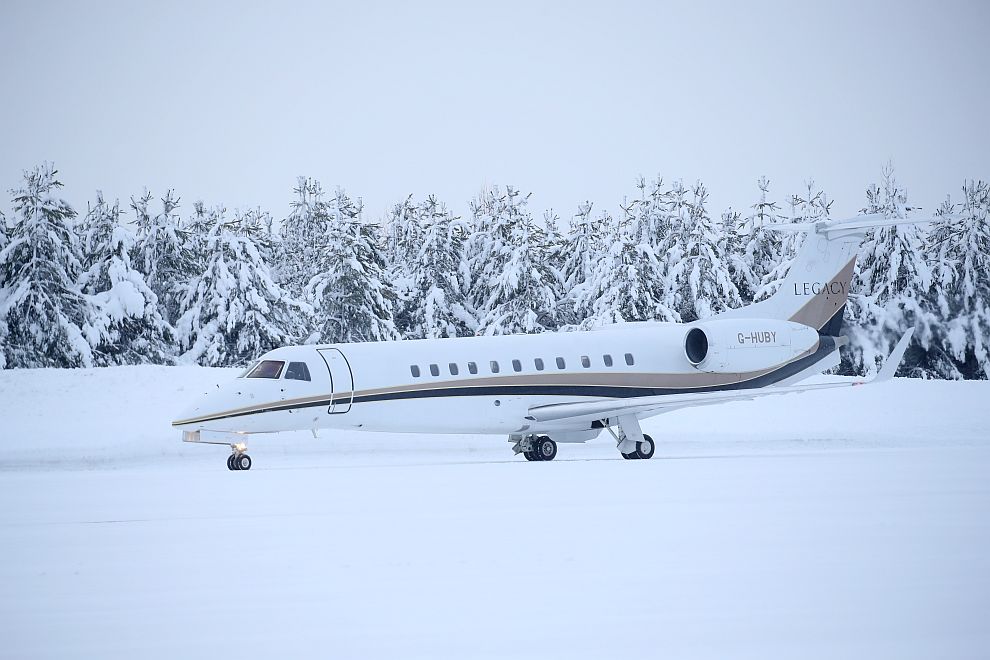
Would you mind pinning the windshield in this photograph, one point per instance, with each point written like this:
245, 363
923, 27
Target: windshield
267, 369
249, 369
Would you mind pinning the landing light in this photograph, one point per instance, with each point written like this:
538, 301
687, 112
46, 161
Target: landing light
240, 446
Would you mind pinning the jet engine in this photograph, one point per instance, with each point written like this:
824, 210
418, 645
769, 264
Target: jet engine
741, 345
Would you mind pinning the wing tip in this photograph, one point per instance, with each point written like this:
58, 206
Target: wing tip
894, 359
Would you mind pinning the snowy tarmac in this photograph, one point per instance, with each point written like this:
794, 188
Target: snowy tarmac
769, 529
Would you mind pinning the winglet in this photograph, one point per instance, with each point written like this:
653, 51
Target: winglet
894, 359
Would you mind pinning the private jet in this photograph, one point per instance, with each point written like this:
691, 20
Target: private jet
556, 387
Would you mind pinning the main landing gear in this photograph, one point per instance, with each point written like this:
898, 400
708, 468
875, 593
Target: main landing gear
536, 448
643, 450
630, 440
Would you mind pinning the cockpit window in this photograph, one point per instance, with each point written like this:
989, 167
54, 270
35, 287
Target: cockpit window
249, 369
267, 369
297, 371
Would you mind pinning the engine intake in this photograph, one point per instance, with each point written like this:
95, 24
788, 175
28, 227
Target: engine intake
696, 346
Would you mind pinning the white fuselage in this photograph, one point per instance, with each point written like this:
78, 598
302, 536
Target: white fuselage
481, 384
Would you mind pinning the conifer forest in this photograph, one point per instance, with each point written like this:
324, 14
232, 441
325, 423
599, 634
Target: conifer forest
156, 279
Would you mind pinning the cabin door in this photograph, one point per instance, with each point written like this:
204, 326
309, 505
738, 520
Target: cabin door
341, 380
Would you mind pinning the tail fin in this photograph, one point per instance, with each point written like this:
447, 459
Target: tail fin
816, 288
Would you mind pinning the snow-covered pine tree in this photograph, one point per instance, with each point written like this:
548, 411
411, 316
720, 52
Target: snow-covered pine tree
678, 221
960, 248
163, 253
350, 293
740, 270
623, 283
479, 247
257, 224
4, 240
581, 245
303, 233
699, 278
403, 233
940, 360
519, 283
127, 326
40, 301
554, 250
761, 247
581, 253
656, 227
435, 303
403, 238
890, 290
628, 279
811, 206
234, 311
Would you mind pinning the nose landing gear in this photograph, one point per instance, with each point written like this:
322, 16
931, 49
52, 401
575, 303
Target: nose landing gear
238, 461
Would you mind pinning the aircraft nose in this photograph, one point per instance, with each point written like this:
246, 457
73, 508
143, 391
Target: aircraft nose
204, 406
187, 415
210, 408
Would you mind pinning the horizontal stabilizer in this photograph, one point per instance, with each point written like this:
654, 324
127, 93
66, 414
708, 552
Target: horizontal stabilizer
830, 227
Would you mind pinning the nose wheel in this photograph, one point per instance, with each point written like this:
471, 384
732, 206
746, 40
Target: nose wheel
238, 461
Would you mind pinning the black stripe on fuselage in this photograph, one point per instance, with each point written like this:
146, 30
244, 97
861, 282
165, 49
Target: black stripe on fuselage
826, 345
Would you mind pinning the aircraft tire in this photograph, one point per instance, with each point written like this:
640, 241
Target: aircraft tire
242, 462
546, 448
632, 456
230, 462
646, 449
530, 456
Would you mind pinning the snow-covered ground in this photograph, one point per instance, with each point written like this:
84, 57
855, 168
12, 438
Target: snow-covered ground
851, 523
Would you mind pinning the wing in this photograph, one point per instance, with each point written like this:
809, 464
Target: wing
602, 408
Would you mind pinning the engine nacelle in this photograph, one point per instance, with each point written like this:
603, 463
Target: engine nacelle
742, 345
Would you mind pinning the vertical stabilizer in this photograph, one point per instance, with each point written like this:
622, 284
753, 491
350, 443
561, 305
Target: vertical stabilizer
816, 288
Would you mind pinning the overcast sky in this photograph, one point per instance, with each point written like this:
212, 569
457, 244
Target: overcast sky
231, 102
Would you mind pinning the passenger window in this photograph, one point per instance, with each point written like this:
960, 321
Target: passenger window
267, 369
494, 366
560, 363
453, 368
516, 365
414, 369
472, 367
629, 359
297, 371
585, 362
607, 359
435, 370
539, 364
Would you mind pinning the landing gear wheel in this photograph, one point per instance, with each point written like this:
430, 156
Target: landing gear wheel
631, 456
546, 449
530, 456
645, 449
242, 462
230, 462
